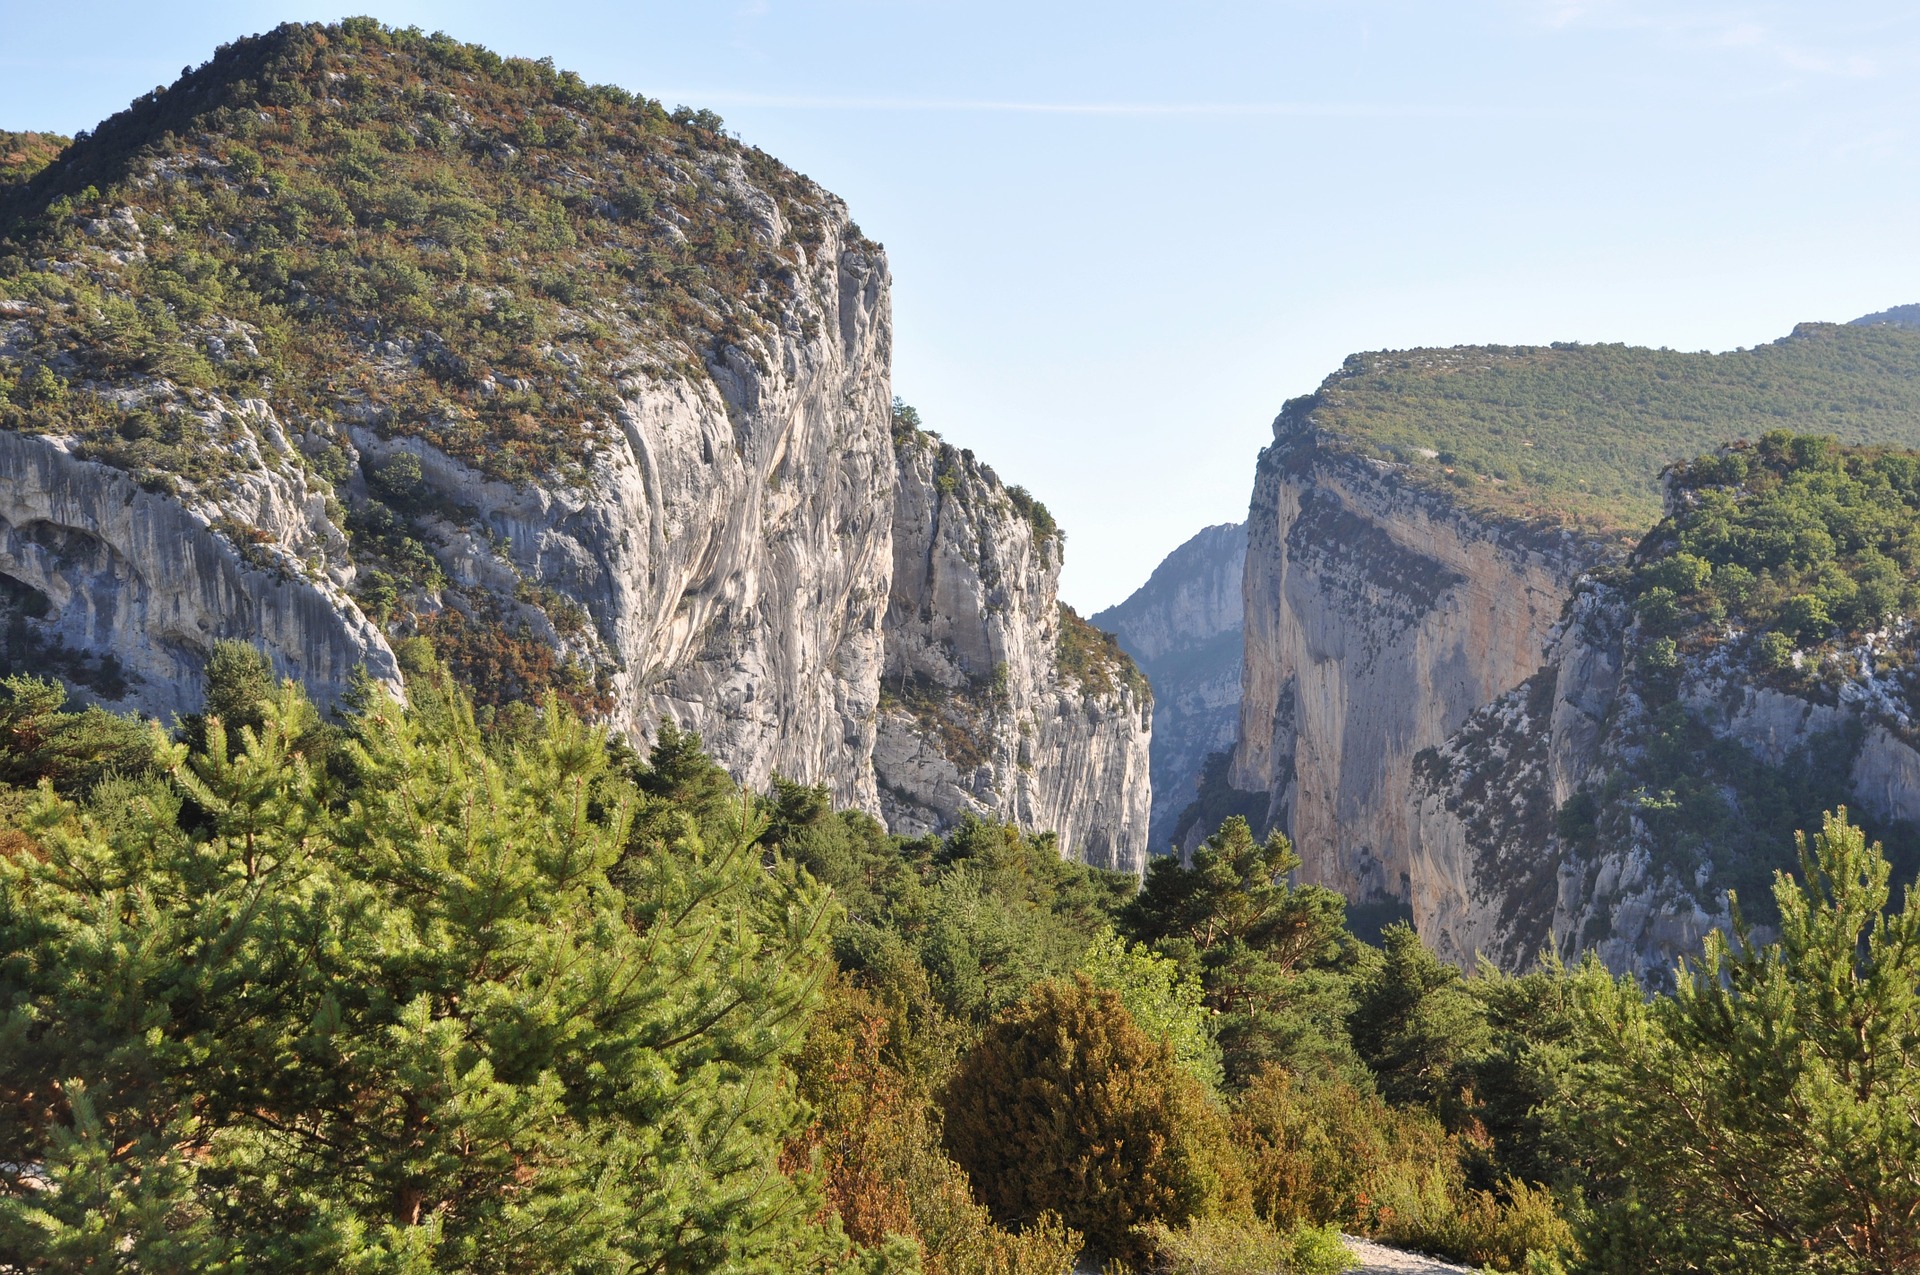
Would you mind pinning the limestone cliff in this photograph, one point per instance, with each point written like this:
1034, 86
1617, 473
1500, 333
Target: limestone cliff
355, 335
1183, 628
1379, 615
1539, 829
104, 567
997, 700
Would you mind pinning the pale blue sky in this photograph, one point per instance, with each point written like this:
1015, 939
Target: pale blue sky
1122, 234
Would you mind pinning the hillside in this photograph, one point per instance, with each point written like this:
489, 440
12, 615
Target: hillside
1578, 434
1752, 666
356, 335
354, 221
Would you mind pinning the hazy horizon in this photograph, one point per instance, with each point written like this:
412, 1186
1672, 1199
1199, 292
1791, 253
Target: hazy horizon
1122, 236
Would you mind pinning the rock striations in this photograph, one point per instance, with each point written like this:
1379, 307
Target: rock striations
1442, 700
997, 700
1183, 628
356, 335
1379, 616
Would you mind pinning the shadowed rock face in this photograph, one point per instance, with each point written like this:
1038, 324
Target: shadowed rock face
148, 580
1183, 627
1378, 618
981, 713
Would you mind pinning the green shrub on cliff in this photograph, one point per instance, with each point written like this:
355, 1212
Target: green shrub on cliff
351, 219
1795, 535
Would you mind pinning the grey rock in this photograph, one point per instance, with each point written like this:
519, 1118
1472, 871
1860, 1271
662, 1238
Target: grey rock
1184, 628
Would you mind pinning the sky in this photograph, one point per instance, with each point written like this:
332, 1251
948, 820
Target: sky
1123, 234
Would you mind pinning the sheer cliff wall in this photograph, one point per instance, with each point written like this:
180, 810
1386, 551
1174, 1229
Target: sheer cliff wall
1379, 616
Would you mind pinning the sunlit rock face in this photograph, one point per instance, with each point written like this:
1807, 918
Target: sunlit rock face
1379, 617
996, 701
745, 555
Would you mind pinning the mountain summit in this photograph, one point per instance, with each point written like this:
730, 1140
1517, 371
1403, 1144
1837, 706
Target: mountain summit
355, 337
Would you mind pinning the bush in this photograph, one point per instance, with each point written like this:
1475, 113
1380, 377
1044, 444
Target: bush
1168, 1003
879, 1157
1324, 1152
1773, 651
1223, 1246
1066, 1106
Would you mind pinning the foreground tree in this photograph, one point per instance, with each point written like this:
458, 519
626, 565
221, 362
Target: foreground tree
1273, 956
1766, 1117
245, 1025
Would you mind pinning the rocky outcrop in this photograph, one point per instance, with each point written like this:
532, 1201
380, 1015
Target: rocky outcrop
729, 544
997, 700
1183, 628
638, 452
740, 556
732, 546
1379, 616
1537, 830
153, 581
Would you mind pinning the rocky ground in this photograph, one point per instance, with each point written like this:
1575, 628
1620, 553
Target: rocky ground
1378, 1259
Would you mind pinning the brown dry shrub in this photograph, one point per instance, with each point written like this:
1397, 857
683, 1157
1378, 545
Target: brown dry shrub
878, 1154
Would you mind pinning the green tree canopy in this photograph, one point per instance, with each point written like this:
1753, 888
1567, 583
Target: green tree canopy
1766, 1117
1267, 951
413, 1028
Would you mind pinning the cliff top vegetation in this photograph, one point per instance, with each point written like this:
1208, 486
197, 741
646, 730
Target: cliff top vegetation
1791, 563
1577, 435
24, 154
359, 223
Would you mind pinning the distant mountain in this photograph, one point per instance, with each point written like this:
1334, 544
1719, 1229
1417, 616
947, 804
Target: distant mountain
1183, 627
1900, 316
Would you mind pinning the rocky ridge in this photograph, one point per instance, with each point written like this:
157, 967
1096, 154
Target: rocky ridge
997, 700
649, 467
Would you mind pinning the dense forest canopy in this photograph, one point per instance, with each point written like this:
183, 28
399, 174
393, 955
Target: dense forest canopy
1578, 434
395, 992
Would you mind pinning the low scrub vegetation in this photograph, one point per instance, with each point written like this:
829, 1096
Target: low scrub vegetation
1578, 434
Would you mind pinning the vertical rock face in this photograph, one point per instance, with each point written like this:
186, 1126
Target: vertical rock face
587, 394
1183, 627
729, 548
1506, 874
1378, 617
741, 558
997, 700
734, 546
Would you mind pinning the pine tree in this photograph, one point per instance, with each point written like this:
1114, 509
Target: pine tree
411, 1027
1268, 952
1766, 1117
